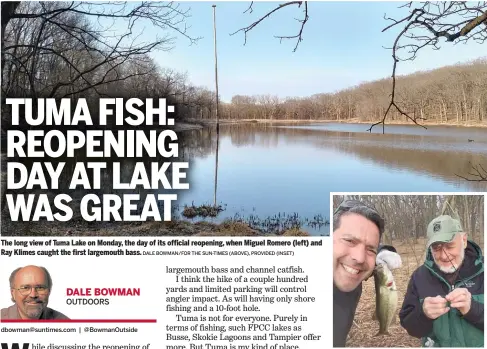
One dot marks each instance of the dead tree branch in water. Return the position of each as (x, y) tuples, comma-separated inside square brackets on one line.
[(478, 173), (298, 36)]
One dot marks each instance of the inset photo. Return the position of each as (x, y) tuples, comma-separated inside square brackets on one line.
[(408, 270), (30, 288)]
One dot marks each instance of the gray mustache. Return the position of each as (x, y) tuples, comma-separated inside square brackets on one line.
[(33, 300)]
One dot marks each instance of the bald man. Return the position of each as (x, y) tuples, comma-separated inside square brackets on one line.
[(30, 288)]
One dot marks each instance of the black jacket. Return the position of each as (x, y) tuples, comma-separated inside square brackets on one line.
[(451, 329), (344, 307)]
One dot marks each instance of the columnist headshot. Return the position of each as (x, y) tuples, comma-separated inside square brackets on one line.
[(30, 287)]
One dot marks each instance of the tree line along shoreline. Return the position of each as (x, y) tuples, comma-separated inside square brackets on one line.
[(451, 95)]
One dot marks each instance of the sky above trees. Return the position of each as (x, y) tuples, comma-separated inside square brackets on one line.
[(342, 46)]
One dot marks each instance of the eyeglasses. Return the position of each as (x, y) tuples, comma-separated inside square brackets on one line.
[(26, 290), (374, 215), (348, 204), (437, 247)]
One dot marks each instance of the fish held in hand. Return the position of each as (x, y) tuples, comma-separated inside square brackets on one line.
[(385, 298)]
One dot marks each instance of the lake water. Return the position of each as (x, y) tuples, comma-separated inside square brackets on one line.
[(271, 174), (281, 170)]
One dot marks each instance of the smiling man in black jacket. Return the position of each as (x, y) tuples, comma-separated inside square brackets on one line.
[(444, 302), (357, 230)]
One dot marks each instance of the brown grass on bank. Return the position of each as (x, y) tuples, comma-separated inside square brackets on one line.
[(364, 330), (177, 228), (242, 229), (452, 123), (230, 229), (295, 232)]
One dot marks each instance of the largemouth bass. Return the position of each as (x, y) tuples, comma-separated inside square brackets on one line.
[(385, 297)]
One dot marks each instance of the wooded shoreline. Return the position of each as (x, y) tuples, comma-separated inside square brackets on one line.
[(208, 122)]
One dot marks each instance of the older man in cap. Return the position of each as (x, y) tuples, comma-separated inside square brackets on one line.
[(30, 288), (444, 302)]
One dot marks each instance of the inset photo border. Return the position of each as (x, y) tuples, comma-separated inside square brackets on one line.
[(407, 267)]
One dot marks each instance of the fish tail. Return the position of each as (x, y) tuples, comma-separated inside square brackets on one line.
[(383, 332)]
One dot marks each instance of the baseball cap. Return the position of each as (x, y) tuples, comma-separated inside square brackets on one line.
[(443, 229)]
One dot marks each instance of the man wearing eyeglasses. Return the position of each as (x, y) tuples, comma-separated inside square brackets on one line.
[(30, 287), (357, 230), (444, 302)]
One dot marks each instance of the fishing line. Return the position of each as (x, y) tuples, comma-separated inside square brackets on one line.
[(453, 265), (451, 208), (456, 270)]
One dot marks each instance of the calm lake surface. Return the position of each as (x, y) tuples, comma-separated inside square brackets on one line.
[(281, 170), (280, 176)]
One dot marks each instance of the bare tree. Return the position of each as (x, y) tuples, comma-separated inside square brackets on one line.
[(67, 48), (441, 94), (407, 216), (298, 36), (425, 25)]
